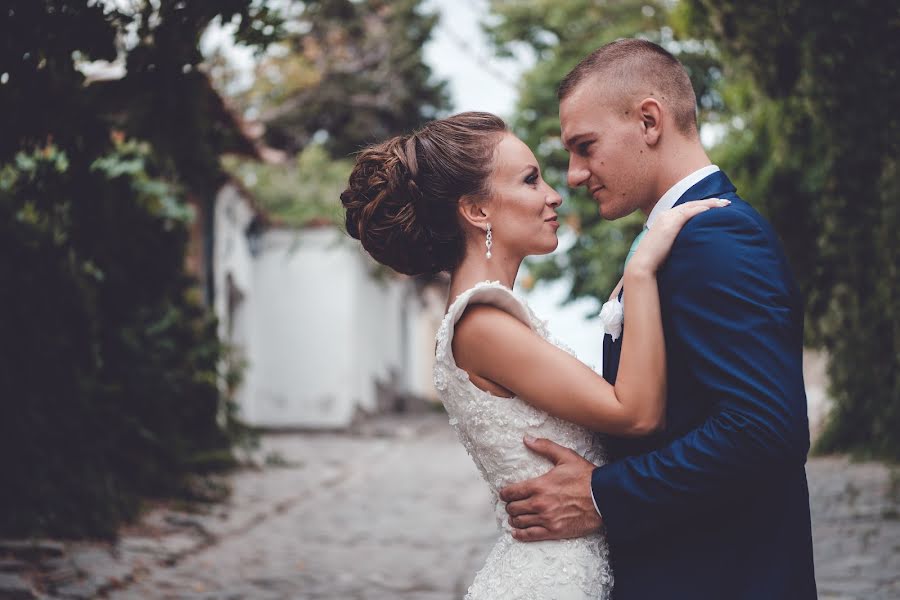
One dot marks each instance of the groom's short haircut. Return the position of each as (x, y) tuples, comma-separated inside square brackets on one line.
[(633, 67)]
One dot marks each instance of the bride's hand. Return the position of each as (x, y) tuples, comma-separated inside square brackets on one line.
[(657, 242)]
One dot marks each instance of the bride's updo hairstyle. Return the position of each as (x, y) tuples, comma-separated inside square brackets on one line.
[(402, 198)]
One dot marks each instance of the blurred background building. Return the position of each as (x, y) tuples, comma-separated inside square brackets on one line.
[(325, 336)]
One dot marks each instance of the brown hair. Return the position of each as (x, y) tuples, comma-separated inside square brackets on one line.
[(632, 67), (403, 193)]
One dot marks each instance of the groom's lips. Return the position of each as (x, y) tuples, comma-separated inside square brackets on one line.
[(596, 189)]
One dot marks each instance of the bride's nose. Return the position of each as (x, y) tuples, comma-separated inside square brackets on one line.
[(554, 199)]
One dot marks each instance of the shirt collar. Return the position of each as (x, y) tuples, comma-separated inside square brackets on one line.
[(675, 192)]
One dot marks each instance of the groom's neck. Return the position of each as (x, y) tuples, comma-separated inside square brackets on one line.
[(676, 163)]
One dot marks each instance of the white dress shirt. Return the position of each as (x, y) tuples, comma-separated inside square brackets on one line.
[(675, 192), (667, 201)]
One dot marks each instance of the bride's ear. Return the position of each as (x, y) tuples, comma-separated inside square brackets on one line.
[(476, 214)]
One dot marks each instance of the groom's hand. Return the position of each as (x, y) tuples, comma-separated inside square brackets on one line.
[(556, 505)]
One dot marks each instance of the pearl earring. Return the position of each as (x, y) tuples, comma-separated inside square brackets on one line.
[(489, 241)]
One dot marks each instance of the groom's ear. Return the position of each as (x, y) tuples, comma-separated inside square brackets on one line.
[(473, 213), (651, 120)]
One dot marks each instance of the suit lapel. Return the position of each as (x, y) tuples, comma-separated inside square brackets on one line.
[(712, 186)]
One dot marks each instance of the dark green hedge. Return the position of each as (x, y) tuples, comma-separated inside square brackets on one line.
[(109, 360), (818, 151), (108, 357)]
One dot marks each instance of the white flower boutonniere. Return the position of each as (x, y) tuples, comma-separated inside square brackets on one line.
[(613, 317)]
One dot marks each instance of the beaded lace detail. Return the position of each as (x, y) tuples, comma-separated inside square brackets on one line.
[(491, 429)]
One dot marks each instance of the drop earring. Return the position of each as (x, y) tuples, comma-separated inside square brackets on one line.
[(489, 241)]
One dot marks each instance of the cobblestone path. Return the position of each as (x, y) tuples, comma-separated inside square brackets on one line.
[(398, 511), (401, 513)]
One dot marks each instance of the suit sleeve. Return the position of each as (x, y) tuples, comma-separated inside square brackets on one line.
[(737, 326)]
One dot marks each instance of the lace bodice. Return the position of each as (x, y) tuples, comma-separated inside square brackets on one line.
[(491, 428)]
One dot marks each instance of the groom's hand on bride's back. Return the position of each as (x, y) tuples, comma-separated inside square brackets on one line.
[(556, 505)]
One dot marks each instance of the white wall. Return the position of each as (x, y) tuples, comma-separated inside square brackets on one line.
[(303, 365), (425, 316), (232, 259), (319, 332)]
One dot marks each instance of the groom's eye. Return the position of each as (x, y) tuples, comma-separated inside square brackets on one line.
[(582, 148)]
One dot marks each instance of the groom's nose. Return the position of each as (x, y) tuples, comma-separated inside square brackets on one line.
[(578, 173)]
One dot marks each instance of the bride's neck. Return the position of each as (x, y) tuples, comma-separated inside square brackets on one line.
[(476, 268)]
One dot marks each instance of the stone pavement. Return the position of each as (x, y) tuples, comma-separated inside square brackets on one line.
[(856, 528), (395, 510)]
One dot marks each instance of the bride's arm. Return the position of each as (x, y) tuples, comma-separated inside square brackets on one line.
[(494, 345)]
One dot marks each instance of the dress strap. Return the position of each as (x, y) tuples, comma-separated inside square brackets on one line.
[(486, 292)]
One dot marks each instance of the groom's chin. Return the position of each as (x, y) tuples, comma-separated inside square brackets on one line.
[(612, 212)]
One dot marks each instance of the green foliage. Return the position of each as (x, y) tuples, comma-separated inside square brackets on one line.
[(110, 363), (304, 191), (163, 98), (562, 33), (109, 366), (350, 73), (815, 88)]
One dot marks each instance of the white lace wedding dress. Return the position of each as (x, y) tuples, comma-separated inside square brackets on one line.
[(491, 429)]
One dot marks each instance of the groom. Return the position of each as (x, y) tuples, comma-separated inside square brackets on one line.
[(716, 506)]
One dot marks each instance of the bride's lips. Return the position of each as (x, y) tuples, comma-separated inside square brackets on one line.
[(554, 220)]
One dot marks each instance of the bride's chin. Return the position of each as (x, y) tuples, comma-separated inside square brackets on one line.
[(555, 242), (549, 248)]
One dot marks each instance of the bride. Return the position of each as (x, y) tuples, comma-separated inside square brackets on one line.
[(465, 195)]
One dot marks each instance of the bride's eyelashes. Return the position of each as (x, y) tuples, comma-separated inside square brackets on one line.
[(532, 177)]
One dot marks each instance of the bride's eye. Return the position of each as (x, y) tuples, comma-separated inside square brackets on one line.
[(532, 179)]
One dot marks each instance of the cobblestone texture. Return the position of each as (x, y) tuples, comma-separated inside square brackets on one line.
[(395, 510)]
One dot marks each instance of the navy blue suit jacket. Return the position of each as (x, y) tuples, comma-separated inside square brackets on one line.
[(717, 506)]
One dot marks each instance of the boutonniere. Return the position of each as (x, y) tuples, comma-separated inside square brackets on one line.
[(613, 317)]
